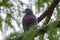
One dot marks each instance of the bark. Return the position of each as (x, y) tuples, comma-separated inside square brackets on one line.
[(49, 10)]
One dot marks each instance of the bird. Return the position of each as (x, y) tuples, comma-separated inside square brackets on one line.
[(29, 19)]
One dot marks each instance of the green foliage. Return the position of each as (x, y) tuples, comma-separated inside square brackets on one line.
[(58, 12), (27, 35), (8, 19), (33, 32), (9, 23), (9, 15), (41, 37), (14, 36), (1, 22), (39, 3), (47, 1), (30, 35), (21, 3), (5, 3), (52, 31)]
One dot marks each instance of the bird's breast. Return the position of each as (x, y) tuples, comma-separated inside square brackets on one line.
[(29, 19)]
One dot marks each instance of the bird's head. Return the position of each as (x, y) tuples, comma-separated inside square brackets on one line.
[(28, 11)]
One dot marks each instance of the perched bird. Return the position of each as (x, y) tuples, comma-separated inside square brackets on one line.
[(29, 19)]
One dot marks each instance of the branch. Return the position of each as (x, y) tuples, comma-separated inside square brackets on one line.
[(49, 10), (43, 30)]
